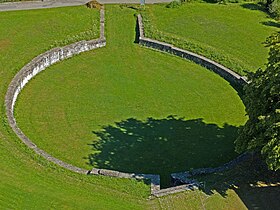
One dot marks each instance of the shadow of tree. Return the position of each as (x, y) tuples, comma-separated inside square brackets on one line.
[(260, 197), (256, 186), (162, 146), (254, 6)]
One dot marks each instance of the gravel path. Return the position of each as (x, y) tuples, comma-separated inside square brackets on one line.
[(28, 5)]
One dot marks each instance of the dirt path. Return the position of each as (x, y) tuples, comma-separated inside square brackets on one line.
[(28, 5)]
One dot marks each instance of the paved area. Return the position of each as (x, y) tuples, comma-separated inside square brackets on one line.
[(10, 6)]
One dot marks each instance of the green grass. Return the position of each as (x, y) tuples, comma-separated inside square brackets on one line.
[(30, 182), (109, 108), (26, 180), (231, 34)]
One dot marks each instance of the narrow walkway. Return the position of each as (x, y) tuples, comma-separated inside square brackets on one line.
[(28, 5)]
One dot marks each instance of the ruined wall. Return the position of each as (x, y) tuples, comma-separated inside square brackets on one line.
[(34, 67), (40, 63), (55, 55)]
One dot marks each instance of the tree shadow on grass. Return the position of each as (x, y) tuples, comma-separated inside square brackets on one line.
[(254, 6), (255, 185), (162, 146), (271, 23), (260, 197)]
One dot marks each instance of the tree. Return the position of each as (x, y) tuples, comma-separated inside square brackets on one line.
[(261, 132), (274, 9), (268, 2)]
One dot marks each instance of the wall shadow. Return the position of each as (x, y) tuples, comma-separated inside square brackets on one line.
[(162, 146), (137, 32), (272, 24), (260, 197)]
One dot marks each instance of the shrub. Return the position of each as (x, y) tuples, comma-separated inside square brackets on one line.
[(94, 4), (174, 4)]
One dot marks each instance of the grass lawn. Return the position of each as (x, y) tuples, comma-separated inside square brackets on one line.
[(231, 34), (30, 182), (26, 180), (110, 108)]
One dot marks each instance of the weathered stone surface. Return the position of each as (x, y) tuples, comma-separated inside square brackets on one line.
[(173, 190), (39, 64), (154, 178), (231, 76), (94, 171), (106, 172), (185, 177), (126, 175)]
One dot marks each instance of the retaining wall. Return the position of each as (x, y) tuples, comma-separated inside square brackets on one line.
[(153, 178), (186, 177), (55, 55), (39, 64), (33, 68), (29, 71), (224, 72)]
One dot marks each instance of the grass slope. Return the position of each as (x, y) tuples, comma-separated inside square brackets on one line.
[(27, 181), (231, 34), (138, 89)]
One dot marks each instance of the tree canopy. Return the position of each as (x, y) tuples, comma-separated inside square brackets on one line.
[(262, 100)]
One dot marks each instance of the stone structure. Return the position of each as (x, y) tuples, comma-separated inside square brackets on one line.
[(34, 67), (153, 178), (186, 177), (39, 64), (224, 72), (55, 55)]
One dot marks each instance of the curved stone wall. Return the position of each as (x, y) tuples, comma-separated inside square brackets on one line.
[(29, 71), (229, 75), (55, 55), (184, 179), (33, 68), (39, 64)]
